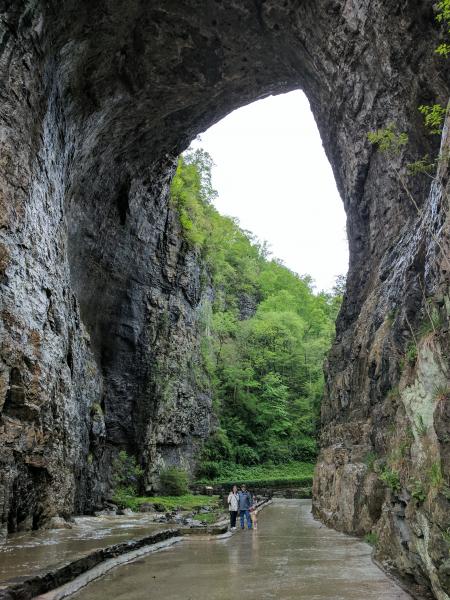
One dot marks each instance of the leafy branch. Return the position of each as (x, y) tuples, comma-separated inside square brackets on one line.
[(434, 115), (443, 16)]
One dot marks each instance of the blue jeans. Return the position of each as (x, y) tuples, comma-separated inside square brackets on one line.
[(246, 514)]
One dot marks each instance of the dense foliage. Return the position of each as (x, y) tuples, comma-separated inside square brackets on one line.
[(126, 473), (294, 473), (265, 334), (174, 481)]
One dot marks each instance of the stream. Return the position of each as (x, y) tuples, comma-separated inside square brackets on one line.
[(290, 556), (30, 551)]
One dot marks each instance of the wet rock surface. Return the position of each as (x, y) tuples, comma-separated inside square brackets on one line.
[(101, 299)]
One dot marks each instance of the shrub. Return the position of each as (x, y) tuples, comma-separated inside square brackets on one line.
[(303, 481), (391, 479), (126, 473), (393, 394), (445, 490), (418, 491), (369, 460), (446, 536), (405, 448), (392, 315), (435, 475), (422, 429), (218, 447), (208, 469), (96, 409), (304, 449), (125, 497), (432, 322), (174, 481), (247, 456), (434, 115), (411, 354), (371, 538), (442, 393), (273, 451), (388, 140)]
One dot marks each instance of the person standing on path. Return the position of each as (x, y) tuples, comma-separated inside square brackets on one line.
[(233, 505), (245, 503)]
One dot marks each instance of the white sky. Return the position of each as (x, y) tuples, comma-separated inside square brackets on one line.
[(273, 175)]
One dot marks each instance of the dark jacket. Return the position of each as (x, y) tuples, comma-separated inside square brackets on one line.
[(245, 500)]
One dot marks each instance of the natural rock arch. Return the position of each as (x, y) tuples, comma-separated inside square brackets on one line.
[(98, 291)]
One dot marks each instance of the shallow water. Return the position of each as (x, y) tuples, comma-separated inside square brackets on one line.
[(290, 556), (28, 552)]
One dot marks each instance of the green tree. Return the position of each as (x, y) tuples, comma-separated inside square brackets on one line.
[(265, 369)]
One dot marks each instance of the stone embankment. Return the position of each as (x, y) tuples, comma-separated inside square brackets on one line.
[(264, 491)]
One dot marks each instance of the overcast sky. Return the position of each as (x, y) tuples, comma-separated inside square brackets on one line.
[(272, 174)]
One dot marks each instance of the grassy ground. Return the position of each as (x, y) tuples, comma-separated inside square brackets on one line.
[(209, 518), (187, 502), (294, 473)]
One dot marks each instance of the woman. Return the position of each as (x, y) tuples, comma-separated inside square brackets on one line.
[(233, 502)]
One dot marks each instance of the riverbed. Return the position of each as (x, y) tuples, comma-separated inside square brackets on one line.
[(289, 556), (29, 552)]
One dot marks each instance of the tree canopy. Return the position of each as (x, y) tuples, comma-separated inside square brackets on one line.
[(265, 334)]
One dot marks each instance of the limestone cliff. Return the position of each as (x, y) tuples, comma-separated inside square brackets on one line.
[(99, 296), (384, 465)]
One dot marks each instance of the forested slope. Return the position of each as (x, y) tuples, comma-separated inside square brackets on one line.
[(265, 335)]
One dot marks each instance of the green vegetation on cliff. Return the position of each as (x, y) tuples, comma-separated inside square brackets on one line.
[(265, 335)]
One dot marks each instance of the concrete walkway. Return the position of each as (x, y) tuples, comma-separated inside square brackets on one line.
[(289, 557)]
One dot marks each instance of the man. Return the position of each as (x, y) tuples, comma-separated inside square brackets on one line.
[(245, 503)]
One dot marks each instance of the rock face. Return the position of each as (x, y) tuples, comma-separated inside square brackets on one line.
[(384, 464), (100, 297)]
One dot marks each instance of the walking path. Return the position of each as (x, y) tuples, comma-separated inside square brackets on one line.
[(289, 557)]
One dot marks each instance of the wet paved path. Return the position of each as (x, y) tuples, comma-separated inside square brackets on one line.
[(289, 557), (26, 553)]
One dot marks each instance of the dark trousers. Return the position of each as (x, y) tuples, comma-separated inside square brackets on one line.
[(233, 517)]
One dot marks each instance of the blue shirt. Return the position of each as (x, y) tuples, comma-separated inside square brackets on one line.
[(245, 500)]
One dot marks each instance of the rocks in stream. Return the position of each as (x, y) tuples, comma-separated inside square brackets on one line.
[(147, 507), (58, 523), (127, 512), (194, 523), (101, 298), (107, 512)]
